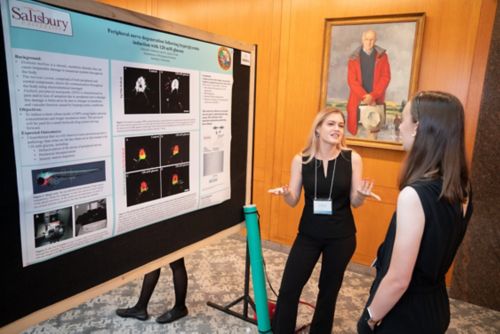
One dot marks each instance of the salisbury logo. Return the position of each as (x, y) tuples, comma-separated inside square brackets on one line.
[(224, 58), (30, 16)]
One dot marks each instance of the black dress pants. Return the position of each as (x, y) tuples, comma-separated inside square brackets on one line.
[(304, 255)]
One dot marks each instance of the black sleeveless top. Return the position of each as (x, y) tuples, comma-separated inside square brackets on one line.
[(340, 223), (424, 307)]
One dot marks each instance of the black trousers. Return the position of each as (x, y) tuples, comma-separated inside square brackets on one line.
[(303, 257)]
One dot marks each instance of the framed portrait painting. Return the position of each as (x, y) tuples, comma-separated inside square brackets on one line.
[(370, 70)]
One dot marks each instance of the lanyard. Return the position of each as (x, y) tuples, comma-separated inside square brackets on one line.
[(316, 178)]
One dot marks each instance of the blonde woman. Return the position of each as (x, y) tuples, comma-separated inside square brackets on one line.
[(331, 177)]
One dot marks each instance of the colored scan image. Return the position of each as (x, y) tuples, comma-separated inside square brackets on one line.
[(174, 148), (61, 177), (143, 186), (142, 153), (175, 180)]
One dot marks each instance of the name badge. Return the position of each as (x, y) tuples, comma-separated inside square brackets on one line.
[(322, 207)]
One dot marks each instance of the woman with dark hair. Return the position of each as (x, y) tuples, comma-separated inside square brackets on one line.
[(409, 294), (331, 176)]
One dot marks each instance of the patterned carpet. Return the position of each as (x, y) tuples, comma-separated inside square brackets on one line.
[(216, 274)]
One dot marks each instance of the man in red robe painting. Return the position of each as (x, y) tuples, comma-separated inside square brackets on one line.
[(368, 75)]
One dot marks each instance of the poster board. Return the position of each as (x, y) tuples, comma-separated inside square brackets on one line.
[(92, 99)]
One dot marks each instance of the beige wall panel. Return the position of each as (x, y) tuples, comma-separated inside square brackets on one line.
[(382, 166), (144, 7), (372, 221)]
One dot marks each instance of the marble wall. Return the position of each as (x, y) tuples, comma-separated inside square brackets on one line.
[(476, 278)]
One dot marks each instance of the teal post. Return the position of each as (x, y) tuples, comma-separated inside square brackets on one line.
[(257, 267)]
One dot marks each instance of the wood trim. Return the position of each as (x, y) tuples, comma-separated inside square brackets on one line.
[(263, 179), (374, 144), (476, 83), (281, 91), (251, 125)]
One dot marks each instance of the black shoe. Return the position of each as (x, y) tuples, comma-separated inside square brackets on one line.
[(172, 315), (132, 313)]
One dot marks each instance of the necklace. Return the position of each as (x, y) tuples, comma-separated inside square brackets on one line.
[(331, 155), (316, 179)]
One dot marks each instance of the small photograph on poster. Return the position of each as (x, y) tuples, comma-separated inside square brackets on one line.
[(53, 226), (175, 179), (90, 217), (141, 90), (174, 148), (213, 163), (61, 177), (215, 138), (143, 186), (174, 92), (142, 152)]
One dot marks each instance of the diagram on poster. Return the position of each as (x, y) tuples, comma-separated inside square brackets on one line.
[(115, 126)]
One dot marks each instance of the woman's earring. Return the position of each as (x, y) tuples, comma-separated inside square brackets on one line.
[(415, 130)]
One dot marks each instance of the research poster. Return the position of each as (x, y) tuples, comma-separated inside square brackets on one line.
[(115, 126)]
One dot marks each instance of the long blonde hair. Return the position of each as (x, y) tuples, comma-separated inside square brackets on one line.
[(312, 142)]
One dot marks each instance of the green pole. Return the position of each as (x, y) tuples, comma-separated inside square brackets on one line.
[(257, 267)]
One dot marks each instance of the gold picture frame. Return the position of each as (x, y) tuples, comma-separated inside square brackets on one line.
[(391, 72)]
